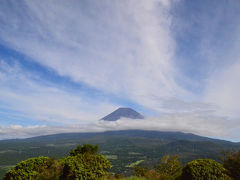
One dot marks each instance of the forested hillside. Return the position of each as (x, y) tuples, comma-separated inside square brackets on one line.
[(124, 149), (86, 163)]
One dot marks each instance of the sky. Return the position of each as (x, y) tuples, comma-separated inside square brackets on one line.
[(65, 64)]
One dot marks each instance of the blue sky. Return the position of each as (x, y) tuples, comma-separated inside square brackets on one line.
[(65, 64)]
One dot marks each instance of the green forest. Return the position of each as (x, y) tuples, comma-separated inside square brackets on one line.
[(125, 150), (86, 163)]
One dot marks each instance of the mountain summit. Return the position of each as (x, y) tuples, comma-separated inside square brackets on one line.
[(123, 113)]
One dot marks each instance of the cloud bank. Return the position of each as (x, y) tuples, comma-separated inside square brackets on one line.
[(200, 124)]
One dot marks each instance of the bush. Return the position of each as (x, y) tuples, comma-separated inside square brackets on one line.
[(140, 171), (86, 148), (231, 162), (133, 178), (170, 168), (85, 166), (202, 169), (35, 168), (82, 163)]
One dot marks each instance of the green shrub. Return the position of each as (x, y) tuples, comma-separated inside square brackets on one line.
[(133, 178), (140, 171), (204, 169), (170, 167), (86, 148), (34, 168), (231, 162), (85, 166), (82, 163)]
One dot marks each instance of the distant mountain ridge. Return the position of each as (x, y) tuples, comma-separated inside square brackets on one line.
[(166, 135), (123, 113)]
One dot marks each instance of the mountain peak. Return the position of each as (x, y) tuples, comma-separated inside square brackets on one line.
[(123, 112)]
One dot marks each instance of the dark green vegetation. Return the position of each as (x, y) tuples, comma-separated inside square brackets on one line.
[(82, 163), (231, 161), (204, 168), (124, 149), (33, 168), (201, 169), (169, 168)]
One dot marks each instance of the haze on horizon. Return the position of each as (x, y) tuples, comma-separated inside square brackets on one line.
[(64, 64)]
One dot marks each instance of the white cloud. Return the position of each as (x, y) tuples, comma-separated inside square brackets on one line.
[(222, 83), (48, 103), (223, 89), (123, 47), (201, 124), (39, 101), (209, 33)]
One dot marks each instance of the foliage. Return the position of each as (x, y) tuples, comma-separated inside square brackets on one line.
[(82, 163), (128, 147), (231, 162), (170, 168), (113, 177), (133, 178), (110, 176), (86, 148), (140, 171), (202, 169), (35, 168), (154, 175), (85, 166)]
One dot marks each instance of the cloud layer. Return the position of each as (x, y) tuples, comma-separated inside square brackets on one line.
[(200, 124)]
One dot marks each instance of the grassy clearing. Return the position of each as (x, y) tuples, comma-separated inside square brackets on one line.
[(134, 178), (134, 164), (111, 157), (6, 151), (61, 145), (6, 167), (125, 178), (134, 153), (104, 152)]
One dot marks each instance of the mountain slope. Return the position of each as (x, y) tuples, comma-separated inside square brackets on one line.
[(120, 147), (123, 113)]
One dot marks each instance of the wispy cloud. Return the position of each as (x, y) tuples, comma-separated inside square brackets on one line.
[(45, 102), (123, 47), (223, 89)]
